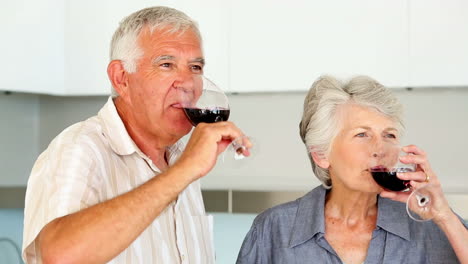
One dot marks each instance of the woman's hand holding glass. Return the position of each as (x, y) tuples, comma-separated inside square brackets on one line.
[(425, 199)]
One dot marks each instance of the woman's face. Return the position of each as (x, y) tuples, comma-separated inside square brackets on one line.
[(363, 137)]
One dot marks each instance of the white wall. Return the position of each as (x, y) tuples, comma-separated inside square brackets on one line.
[(437, 121), (19, 137)]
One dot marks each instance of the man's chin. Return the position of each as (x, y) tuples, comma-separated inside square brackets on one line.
[(183, 128)]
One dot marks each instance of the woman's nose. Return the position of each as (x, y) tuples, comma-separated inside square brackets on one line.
[(378, 149), (382, 149)]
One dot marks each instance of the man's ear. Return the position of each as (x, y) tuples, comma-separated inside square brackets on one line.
[(320, 159), (119, 78)]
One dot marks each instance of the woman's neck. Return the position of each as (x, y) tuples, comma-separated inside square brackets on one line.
[(350, 206)]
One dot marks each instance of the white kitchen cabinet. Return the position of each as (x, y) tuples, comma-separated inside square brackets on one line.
[(286, 45), (438, 32), (90, 25), (62, 47), (32, 46)]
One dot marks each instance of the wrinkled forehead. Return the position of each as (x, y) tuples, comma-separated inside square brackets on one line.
[(164, 42), (350, 116)]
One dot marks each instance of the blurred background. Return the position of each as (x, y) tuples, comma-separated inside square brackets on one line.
[(265, 54)]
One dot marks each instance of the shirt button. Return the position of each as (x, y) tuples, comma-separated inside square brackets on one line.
[(183, 257)]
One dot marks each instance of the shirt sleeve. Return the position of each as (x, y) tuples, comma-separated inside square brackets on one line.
[(62, 181), (438, 247), (250, 251)]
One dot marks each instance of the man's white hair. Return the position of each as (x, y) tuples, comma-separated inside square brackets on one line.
[(124, 44)]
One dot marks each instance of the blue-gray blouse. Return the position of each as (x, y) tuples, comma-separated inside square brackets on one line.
[(294, 232)]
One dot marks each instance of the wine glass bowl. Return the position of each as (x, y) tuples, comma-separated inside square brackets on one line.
[(207, 103), (384, 169), (207, 115), (387, 178), (419, 201)]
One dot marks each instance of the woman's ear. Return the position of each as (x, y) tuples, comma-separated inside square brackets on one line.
[(320, 159), (119, 78)]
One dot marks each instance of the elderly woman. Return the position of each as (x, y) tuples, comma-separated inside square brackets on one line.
[(351, 219)]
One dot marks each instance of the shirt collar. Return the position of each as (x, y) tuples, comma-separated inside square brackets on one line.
[(392, 217), (310, 217), (114, 130), (120, 141), (309, 220)]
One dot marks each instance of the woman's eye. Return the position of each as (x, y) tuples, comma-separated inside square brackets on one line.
[(363, 134)]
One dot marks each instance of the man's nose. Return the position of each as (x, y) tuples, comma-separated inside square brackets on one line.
[(185, 80)]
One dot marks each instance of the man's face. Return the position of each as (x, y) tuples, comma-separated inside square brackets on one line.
[(171, 62)]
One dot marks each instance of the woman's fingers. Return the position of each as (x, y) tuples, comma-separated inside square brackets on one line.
[(418, 157), (412, 176), (414, 149), (396, 196)]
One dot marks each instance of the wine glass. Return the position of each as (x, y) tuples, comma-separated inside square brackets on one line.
[(385, 166), (207, 103), (384, 169)]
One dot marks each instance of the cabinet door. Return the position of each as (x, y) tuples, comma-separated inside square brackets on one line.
[(90, 25), (31, 46), (438, 43), (285, 45)]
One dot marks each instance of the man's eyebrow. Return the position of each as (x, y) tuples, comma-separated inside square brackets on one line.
[(169, 57), (199, 60), (163, 57)]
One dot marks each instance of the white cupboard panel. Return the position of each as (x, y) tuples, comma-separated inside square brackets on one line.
[(438, 43), (90, 25), (31, 46), (284, 46), (88, 31)]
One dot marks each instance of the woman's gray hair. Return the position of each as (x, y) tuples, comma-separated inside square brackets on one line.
[(320, 121), (124, 44)]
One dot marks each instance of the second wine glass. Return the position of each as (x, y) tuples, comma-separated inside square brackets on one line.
[(384, 170)]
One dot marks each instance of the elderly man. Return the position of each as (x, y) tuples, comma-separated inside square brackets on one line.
[(119, 187)]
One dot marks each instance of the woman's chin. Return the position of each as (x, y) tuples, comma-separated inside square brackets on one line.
[(369, 187)]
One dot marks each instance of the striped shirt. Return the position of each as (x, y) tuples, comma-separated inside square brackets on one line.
[(96, 160)]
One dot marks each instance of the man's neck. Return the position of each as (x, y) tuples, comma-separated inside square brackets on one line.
[(151, 145)]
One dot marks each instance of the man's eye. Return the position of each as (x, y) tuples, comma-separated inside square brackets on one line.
[(196, 68), (166, 65), (390, 136)]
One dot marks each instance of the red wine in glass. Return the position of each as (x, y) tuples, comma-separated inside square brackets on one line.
[(205, 102), (388, 179), (210, 115)]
